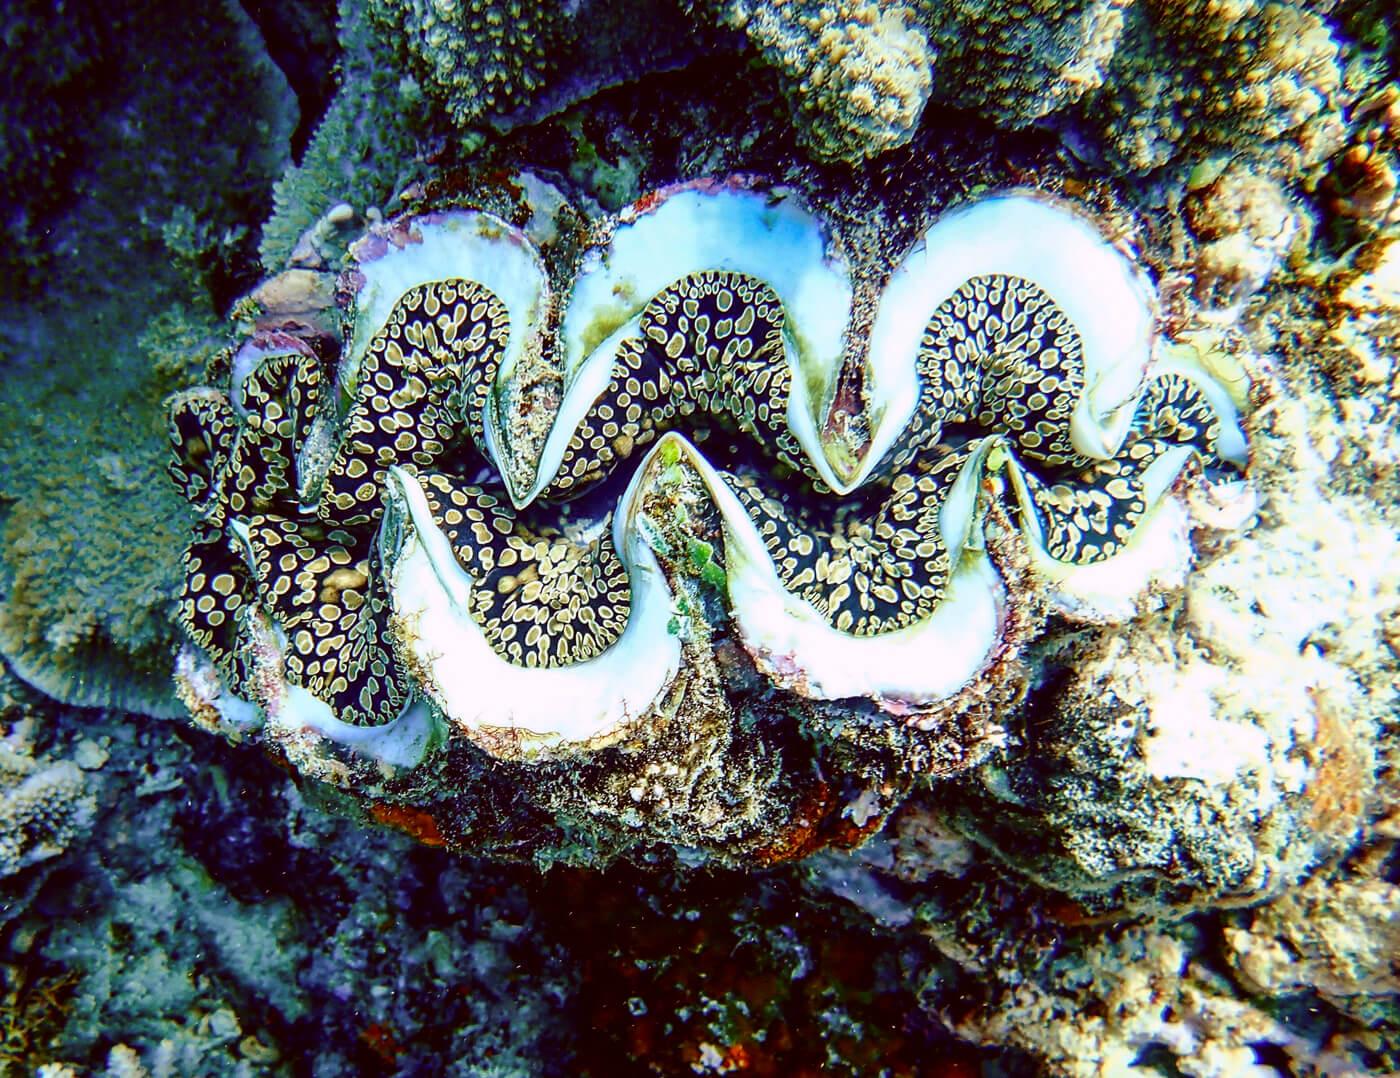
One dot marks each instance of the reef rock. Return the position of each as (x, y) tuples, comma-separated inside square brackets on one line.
[(858, 75), (44, 806)]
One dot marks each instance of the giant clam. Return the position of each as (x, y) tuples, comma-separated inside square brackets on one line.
[(543, 508)]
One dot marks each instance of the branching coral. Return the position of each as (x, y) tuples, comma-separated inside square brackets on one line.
[(370, 122), (481, 56)]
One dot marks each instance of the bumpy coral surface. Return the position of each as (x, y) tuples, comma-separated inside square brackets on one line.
[(1022, 60), (484, 56), (44, 806), (1193, 78), (479, 527), (1151, 83), (857, 74)]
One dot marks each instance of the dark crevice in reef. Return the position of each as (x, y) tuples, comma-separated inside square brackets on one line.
[(62, 66), (301, 40), (231, 821), (90, 127), (1160, 1058), (670, 965)]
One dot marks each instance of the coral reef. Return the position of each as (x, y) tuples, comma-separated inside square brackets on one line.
[(1244, 227), (363, 150), (1217, 752), (1147, 83), (424, 79), (1138, 996), (483, 57), (1335, 936), (1192, 79), (180, 938), (856, 75), (44, 806), (1022, 60), (1363, 187)]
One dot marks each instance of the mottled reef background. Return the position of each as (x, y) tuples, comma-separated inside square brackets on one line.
[(172, 905)]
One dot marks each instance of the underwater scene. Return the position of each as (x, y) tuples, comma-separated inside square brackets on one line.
[(700, 537)]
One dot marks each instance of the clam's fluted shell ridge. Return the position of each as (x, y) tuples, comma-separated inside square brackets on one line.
[(1017, 234), (691, 228), (486, 696), (795, 644), (479, 588)]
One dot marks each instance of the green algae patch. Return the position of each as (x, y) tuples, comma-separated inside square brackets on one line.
[(705, 565), (606, 321)]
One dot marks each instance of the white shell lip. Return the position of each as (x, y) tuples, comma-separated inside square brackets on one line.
[(794, 645), (262, 345), (294, 713), (404, 741), (445, 245), (1112, 591), (283, 712), (511, 709), (1027, 234), (734, 225), (1232, 445)]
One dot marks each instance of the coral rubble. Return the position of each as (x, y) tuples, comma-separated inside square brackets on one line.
[(43, 808)]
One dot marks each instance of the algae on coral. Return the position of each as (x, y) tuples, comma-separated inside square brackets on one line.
[(84, 591)]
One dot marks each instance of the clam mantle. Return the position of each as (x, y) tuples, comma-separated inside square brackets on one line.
[(530, 490)]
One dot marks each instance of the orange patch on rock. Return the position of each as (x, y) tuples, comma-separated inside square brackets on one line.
[(413, 822), (381, 1042)]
